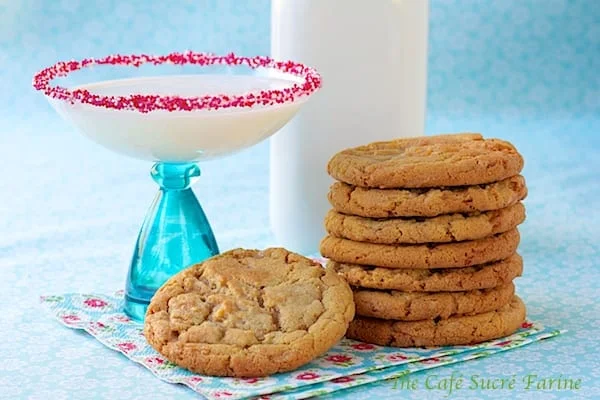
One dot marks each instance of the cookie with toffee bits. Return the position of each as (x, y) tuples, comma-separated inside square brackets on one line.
[(417, 230), (457, 330), (427, 161), (249, 313)]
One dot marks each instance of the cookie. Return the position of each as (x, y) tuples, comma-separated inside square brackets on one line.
[(444, 228), (415, 306), (386, 203), (425, 162), (431, 255), (249, 313), (458, 330), (431, 280)]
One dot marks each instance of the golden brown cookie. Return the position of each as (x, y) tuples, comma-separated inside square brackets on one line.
[(431, 255), (440, 229), (386, 203), (458, 330), (415, 306), (425, 162), (431, 280), (249, 313)]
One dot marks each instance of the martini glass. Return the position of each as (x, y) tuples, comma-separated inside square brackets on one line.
[(176, 121)]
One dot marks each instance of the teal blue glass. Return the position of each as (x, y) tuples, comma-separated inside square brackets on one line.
[(175, 234)]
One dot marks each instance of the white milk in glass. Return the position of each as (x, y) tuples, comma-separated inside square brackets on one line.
[(179, 136), (372, 55)]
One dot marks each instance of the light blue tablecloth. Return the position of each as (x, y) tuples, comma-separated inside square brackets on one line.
[(70, 211)]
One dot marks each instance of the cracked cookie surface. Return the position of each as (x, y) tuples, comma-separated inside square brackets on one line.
[(431, 280), (415, 306), (444, 228), (431, 255), (428, 161), (458, 330), (386, 203), (249, 313)]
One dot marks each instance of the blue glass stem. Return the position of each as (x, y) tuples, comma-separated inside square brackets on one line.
[(175, 234)]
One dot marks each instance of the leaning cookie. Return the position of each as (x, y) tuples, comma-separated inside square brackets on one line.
[(249, 313), (459, 330)]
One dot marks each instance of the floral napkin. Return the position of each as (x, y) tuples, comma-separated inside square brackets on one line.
[(349, 363)]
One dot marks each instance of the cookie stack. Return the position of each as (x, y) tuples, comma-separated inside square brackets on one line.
[(424, 230)]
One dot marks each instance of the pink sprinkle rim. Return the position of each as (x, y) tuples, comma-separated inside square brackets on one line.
[(149, 103)]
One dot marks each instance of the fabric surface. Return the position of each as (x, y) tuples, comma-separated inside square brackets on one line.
[(350, 363), (525, 71)]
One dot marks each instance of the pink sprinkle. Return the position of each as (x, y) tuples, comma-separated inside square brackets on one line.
[(149, 103)]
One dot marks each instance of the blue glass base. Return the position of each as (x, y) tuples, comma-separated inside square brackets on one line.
[(135, 308), (174, 235)]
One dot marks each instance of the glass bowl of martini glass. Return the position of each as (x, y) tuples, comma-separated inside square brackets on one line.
[(220, 105)]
